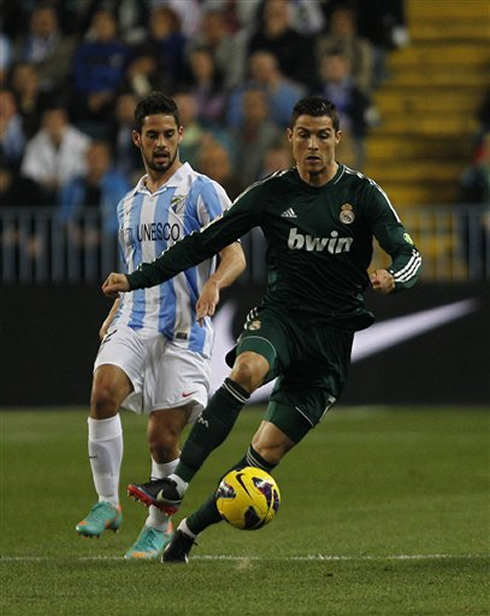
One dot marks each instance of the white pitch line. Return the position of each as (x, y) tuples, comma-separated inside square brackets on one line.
[(226, 557), (332, 557)]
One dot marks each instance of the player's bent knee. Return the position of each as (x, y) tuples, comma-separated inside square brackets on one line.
[(110, 387), (103, 403), (250, 370)]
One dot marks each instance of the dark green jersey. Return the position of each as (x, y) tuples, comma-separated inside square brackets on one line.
[(319, 243)]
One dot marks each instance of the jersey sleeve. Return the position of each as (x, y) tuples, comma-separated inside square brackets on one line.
[(393, 238), (211, 201), (200, 245)]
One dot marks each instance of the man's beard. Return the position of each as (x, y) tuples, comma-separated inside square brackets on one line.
[(163, 166)]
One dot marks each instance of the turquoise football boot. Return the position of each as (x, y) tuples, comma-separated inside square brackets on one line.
[(150, 543), (103, 516)]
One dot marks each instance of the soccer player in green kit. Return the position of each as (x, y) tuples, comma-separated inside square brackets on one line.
[(319, 219)]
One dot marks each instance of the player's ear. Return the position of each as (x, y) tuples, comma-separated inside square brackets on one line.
[(136, 136), (338, 137), (289, 134), (180, 132)]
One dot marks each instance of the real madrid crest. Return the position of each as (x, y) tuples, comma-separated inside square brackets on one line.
[(255, 325), (347, 215)]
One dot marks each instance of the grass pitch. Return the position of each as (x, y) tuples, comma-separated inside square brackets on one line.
[(384, 511)]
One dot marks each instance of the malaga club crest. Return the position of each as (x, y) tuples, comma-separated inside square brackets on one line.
[(177, 203)]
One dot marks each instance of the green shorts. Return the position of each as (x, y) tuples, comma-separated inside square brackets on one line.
[(310, 361)]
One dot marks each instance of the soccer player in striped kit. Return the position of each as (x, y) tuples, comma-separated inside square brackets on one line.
[(320, 219), (154, 356)]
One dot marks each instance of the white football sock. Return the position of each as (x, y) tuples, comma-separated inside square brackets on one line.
[(157, 518), (181, 484), (105, 450)]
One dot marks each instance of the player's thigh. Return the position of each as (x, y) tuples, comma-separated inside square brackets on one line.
[(110, 386), (176, 377), (296, 412), (311, 385), (272, 336), (126, 349)]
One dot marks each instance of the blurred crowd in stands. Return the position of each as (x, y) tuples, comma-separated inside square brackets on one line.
[(474, 185), (72, 71)]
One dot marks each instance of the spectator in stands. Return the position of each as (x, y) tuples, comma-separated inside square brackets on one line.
[(12, 136), (47, 48), (101, 187), (282, 93), (255, 134), (165, 44), (214, 160), (342, 34), (56, 153), (131, 17), (383, 23), (228, 48), (308, 17), (475, 181), (188, 14), (206, 84), (277, 157), (126, 158), (142, 76), (5, 57), (20, 242), (237, 16), (354, 106), (475, 225), (294, 52), (195, 134), (483, 112), (17, 190), (31, 100), (99, 64)]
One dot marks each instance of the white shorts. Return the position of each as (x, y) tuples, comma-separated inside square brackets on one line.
[(163, 373)]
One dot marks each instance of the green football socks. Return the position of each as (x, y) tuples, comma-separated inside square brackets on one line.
[(211, 428)]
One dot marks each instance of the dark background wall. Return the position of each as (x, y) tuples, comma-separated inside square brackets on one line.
[(49, 338)]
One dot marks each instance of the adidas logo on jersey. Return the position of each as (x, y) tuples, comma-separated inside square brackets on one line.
[(333, 244), (289, 213)]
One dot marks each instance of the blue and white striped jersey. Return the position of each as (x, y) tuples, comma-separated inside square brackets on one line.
[(148, 225)]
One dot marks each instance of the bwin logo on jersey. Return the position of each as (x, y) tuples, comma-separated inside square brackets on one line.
[(333, 244)]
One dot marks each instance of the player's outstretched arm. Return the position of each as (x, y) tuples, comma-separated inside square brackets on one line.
[(232, 264), (115, 284)]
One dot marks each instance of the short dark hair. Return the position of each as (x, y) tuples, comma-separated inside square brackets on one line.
[(153, 104), (315, 106)]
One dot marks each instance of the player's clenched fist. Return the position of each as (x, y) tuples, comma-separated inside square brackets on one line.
[(115, 284), (382, 281)]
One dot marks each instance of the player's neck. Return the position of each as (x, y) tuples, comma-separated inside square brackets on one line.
[(155, 179), (319, 179)]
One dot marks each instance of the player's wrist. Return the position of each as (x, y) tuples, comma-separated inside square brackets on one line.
[(214, 281), (131, 282)]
